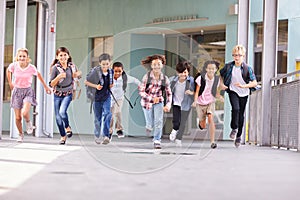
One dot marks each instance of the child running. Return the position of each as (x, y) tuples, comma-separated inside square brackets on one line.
[(207, 84), (153, 85), (182, 86), (121, 79)]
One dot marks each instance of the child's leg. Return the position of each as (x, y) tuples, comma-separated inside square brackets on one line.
[(158, 121), (176, 117), (26, 110), (201, 113), (112, 118), (97, 108), (18, 120), (212, 127), (148, 113), (106, 116), (118, 115), (183, 121)]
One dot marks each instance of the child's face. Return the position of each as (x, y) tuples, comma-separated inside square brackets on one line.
[(117, 72), (238, 57), (62, 57), (22, 58), (211, 69), (104, 65), (183, 75), (156, 65)]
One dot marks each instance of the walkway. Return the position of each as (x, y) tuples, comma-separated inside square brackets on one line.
[(130, 169)]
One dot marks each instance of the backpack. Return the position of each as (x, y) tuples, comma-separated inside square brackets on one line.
[(245, 74), (203, 83), (75, 81), (95, 76), (162, 87)]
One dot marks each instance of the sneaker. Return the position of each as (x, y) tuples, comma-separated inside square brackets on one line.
[(120, 134), (97, 140), (172, 135), (106, 140), (213, 145), (178, 143), (157, 144), (20, 138), (29, 127), (233, 133), (237, 142)]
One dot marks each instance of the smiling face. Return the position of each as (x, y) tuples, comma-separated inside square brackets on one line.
[(62, 57), (117, 72), (104, 65), (156, 65), (22, 58), (183, 75), (211, 69)]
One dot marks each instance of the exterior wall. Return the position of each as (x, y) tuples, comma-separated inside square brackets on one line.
[(87, 19)]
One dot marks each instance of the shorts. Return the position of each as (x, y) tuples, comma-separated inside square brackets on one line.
[(20, 96), (203, 111)]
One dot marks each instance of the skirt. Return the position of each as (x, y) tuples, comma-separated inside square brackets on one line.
[(22, 95)]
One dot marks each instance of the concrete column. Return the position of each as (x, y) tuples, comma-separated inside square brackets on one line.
[(20, 24), (243, 23), (45, 55), (2, 44), (243, 37), (269, 63)]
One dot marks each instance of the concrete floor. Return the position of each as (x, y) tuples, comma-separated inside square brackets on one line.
[(129, 168)]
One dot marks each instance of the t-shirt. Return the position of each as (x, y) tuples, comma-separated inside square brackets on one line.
[(179, 93), (206, 97), (22, 77), (237, 78)]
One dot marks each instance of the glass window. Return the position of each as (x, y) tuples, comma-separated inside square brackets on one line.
[(8, 58), (282, 48), (101, 45)]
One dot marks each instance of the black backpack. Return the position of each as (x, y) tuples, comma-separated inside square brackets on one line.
[(203, 83)]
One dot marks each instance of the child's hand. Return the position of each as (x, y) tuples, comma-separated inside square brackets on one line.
[(48, 90), (166, 109), (111, 85), (189, 92), (194, 104), (78, 74), (223, 87), (155, 100), (99, 87), (62, 75)]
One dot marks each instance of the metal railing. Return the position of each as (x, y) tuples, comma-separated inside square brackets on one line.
[(285, 113)]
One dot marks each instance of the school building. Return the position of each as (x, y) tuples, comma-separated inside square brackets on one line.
[(129, 30)]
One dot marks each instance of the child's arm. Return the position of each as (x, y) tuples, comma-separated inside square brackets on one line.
[(97, 86), (167, 107), (48, 90), (196, 95), (134, 80), (8, 75)]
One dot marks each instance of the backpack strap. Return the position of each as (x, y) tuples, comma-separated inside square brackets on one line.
[(203, 83), (125, 79), (215, 85)]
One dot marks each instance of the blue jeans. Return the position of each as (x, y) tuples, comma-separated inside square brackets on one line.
[(154, 120), (61, 104), (102, 117)]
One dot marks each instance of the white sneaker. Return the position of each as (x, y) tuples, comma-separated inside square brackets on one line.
[(97, 140), (106, 140), (178, 143), (29, 127), (157, 144), (20, 138), (172, 135)]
